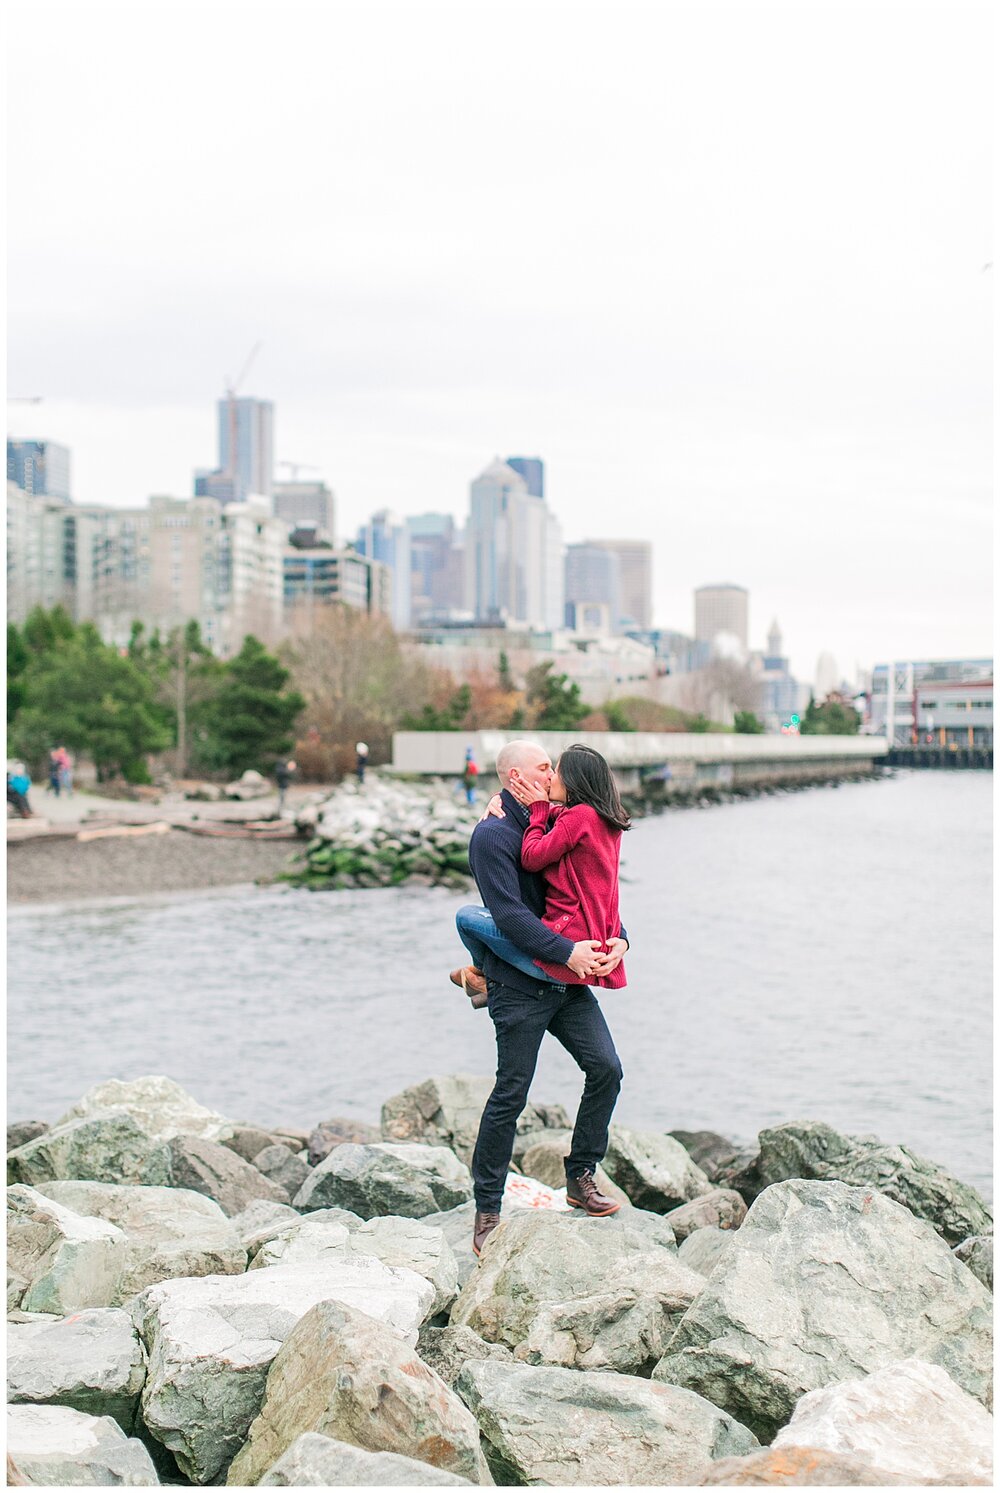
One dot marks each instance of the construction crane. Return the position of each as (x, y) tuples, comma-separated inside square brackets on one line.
[(295, 467), (232, 386)]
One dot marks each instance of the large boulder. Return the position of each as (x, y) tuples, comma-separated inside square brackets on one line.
[(282, 1167), (158, 1105), (216, 1172), (19, 1132), (64, 1261), (314, 1461), (446, 1111), (210, 1343), (813, 1150), (796, 1467), (53, 1446), (92, 1361), (909, 1419), (409, 1181), (248, 1140), (446, 1349), (977, 1253), (170, 1232), (406, 1242), (337, 1374), (708, 1150), (339, 1132), (654, 1170), (544, 1160), (577, 1292), (825, 1282), (109, 1146), (565, 1428), (722, 1208), (259, 1216), (704, 1248)]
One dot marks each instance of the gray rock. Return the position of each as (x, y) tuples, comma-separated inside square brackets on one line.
[(409, 1181), (281, 1226), (210, 1342), (977, 1253), (209, 1168), (259, 1216), (19, 1132), (293, 1136), (295, 1244), (721, 1208), (446, 1349), (909, 1419), (457, 1224), (825, 1282), (654, 1170), (446, 1111), (283, 1168), (339, 1132), (109, 1146), (160, 1107), (314, 1461), (53, 1446), (704, 1249), (544, 1160), (563, 1289), (796, 1467), (565, 1428), (64, 1261), (170, 1232), (709, 1151), (336, 1374), (91, 1361), (248, 1141), (813, 1150)]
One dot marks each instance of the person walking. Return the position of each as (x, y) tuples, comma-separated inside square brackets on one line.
[(360, 761), (554, 998), (54, 775), (65, 771), (470, 776), (283, 776)]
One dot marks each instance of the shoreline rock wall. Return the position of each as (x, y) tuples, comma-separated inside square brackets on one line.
[(195, 1328)]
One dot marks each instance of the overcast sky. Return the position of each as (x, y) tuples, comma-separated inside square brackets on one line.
[(722, 267)]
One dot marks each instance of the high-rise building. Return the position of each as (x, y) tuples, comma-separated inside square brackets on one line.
[(437, 575), (721, 609), (386, 538), (41, 553), (246, 452), (593, 578), (40, 468), (306, 502), (189, 561), (251, 579), (319, 575), (532, 469), (513, 550), (635, 559)]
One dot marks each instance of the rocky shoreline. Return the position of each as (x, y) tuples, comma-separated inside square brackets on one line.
[(199, 1301)]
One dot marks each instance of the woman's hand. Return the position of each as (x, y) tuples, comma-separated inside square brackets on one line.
[(528, 793), (494, 809)]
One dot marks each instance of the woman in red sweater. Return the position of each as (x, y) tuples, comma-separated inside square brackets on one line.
[(573, 839)]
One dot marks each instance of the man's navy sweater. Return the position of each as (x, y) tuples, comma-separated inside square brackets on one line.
[(515, 897)]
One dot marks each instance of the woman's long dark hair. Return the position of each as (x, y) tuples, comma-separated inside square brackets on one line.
[(589, 780)]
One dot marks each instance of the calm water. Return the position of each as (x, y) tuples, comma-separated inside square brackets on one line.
[(820, 955)]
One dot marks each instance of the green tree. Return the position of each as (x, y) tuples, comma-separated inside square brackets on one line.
[(45, 632), (184, 674), (96, 702), (617, 716), (17, 663), (248, 721), (832, 718), (555, 699), (449, 718), (746, 723), (699, 722)]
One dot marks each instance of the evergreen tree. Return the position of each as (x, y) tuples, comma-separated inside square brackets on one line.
[(832, 718), (247, 722), (555, 698), (746, 723), (17, 664)]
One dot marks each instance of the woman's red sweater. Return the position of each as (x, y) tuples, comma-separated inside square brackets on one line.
[(579, 859)]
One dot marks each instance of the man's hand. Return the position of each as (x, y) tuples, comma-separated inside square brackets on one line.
[(494, 809), (528, 793), (611, 960), (584, 958)]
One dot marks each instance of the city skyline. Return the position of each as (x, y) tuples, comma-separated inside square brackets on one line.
[(732, 317)]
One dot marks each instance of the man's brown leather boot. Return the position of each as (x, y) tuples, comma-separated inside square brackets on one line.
[(583, 1192), (482, 1229)]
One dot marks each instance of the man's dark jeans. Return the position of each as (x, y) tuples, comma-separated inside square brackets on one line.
[(572, 1015)]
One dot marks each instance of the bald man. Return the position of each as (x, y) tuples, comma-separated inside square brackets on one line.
[(524, 1008)]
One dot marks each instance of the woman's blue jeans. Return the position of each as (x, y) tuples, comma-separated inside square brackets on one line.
[(478, 932)]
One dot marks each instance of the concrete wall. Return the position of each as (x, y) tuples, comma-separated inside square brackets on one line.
[(443, 752)]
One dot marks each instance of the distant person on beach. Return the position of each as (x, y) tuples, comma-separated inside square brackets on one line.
[(361, 758), (55, 779), (537, 945), (18, 784), (65, 771), (283, 776), (470, 776)]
